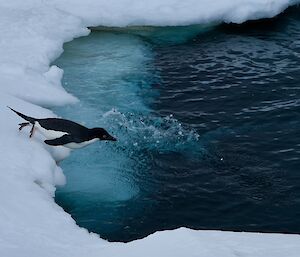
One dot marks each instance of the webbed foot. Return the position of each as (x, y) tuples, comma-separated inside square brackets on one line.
[(22, 125)]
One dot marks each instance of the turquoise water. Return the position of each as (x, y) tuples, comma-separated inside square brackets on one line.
[(112, 74), (207, 121)]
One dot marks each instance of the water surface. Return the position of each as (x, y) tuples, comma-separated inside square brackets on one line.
[(207, 127)]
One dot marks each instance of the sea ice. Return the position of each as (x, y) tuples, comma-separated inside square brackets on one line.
[(32, 36)]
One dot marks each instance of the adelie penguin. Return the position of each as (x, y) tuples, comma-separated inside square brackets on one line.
[(61, 132)]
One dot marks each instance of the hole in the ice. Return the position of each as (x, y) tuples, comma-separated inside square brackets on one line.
[(213, 164)]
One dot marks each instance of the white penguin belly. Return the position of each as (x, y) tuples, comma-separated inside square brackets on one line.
[(49, 134), (80, 145)]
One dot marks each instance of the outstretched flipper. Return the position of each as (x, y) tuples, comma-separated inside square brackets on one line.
[(65, 139)]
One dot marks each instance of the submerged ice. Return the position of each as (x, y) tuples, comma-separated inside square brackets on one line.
[(104, 74)]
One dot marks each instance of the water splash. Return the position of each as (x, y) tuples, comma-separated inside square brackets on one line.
[(139, 132)]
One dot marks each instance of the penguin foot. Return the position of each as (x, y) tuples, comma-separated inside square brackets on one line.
[(22, 125), (31, 131)]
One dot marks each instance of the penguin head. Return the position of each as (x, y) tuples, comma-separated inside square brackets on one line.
[(102, 134)]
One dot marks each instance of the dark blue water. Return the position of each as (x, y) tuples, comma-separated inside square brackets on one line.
[(208, 129)]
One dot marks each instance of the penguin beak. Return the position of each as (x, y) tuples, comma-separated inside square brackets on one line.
[(111, 138)]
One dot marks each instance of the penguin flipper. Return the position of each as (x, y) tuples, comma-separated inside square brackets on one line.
[(65, 139)]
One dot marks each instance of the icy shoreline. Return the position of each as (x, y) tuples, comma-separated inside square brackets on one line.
[(33, 33)]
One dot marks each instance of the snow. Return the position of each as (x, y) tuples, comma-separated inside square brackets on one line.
[(170, 12), (32, 36)]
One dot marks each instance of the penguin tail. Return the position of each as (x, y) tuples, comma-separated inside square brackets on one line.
[(27, 118)]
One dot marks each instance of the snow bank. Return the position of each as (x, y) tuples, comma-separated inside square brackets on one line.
[(171, 12), (32, 35), (186, 242)]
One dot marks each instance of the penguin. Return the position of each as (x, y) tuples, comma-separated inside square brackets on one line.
[(61, 132)]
